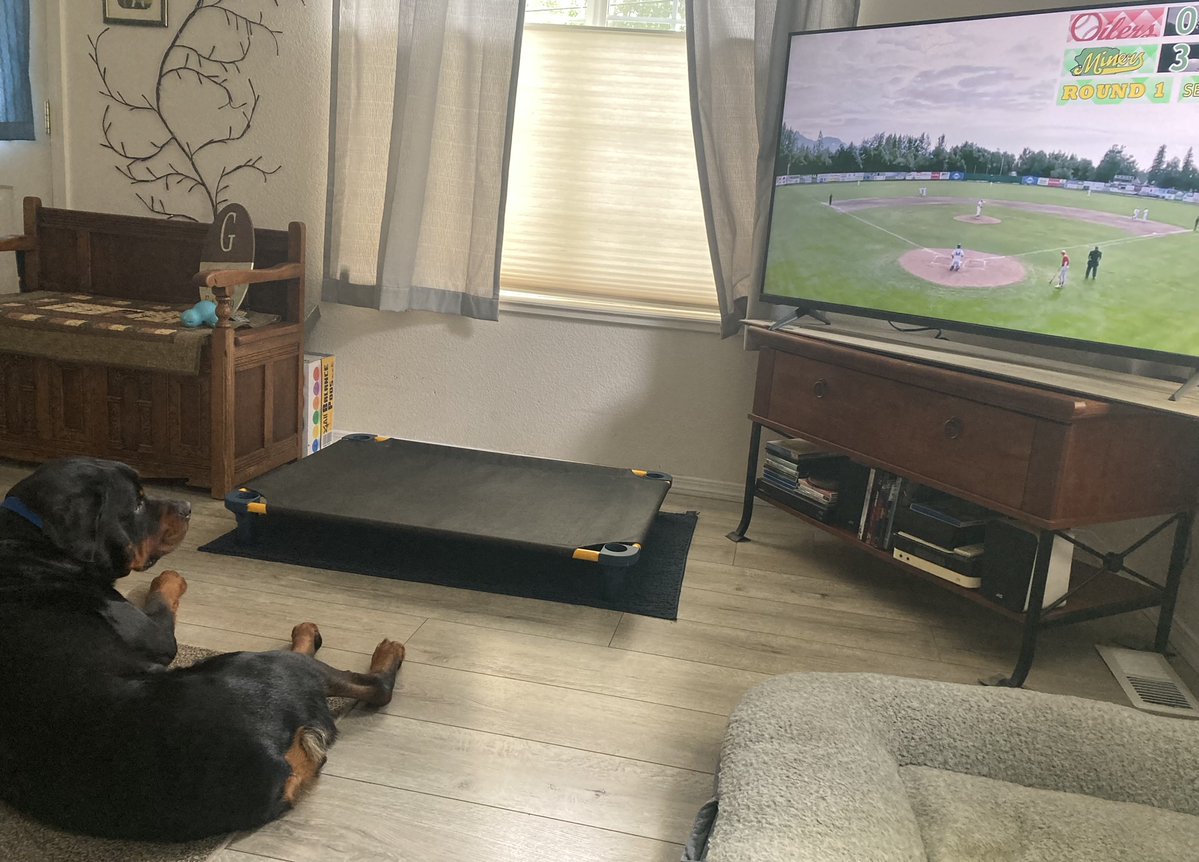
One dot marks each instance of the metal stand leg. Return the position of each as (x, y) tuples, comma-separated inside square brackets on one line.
[(1032, 616), (751, 476), (1191, 383), (1178, 556)]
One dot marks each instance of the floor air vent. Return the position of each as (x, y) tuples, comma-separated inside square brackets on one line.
[(1149, 681)]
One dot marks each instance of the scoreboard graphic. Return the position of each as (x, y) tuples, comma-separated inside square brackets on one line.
[(1118, 56)]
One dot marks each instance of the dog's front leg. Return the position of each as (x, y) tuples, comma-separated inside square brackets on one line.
[(150, 630)]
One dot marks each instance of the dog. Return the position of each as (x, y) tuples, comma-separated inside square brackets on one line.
[(97, 735)]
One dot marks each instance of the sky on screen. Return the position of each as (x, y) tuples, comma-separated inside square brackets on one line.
[(993, 82)]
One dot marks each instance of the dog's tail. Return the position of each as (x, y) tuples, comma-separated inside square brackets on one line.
[(307, 755), (315, 743)]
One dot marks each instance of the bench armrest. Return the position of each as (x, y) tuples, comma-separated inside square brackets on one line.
[(229, 277), (17, 242)]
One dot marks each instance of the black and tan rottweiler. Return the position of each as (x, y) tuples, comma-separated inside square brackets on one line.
[(96, 736)]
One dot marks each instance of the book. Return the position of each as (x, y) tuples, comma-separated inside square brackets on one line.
[(318, 397), (794, 501), (781, 466), (881, 508), (795, 450), (868, 500), (806, 488), (895, 494), (780, 478)]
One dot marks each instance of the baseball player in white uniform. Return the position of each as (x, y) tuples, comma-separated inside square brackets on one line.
[(958, 256)]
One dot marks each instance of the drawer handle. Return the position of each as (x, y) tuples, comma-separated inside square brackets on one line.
[(953, 428), (820, 388)]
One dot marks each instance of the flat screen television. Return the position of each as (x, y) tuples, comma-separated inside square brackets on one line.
[(1024, 175)]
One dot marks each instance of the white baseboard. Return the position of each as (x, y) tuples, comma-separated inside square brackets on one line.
[(712, 489)]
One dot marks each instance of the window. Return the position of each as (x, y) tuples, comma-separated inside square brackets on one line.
[(604, 209), (16, 102)]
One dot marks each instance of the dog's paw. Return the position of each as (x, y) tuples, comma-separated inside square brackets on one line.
[(387, 657), (302, 634), (171, 586)]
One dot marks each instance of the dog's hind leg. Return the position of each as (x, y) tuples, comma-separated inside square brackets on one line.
[(305, 639), (373, 687)]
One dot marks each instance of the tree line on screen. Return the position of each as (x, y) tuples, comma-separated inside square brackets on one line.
[(894, 152)]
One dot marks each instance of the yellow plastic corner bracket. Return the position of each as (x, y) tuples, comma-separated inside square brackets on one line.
[(641, 473), (256, 508), (586, 554), (379, 438)]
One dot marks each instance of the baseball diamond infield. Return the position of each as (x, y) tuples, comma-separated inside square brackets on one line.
[(981, 270)]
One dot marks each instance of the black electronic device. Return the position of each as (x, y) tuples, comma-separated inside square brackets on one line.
[(943, 523), (965, 560), (1008, 561), (847, 513)]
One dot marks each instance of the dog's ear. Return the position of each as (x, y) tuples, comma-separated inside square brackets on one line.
[(74, 500), (87, 530)]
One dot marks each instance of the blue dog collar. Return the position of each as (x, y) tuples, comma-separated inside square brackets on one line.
[(13, 504)]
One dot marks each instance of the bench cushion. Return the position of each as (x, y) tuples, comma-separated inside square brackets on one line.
[(80, 327)]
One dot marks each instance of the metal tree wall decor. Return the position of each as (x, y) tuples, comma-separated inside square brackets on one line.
[(184, 144)]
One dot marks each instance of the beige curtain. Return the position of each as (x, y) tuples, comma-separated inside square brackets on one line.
[(737, 58), (420, 124)]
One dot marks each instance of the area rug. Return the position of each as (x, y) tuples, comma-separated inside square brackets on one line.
[(25, 840), (651, 587)]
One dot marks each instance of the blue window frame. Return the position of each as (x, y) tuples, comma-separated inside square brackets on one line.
[(16, 100)]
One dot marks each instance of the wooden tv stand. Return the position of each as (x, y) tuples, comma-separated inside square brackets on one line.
[(1050, 459)]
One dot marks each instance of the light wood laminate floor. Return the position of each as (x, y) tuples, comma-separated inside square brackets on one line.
[(528, 731)]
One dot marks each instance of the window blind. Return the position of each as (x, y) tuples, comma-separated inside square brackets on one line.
[(603, 207)]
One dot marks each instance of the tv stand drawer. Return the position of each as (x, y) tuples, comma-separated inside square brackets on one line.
[(946, 439), (1049, 458)]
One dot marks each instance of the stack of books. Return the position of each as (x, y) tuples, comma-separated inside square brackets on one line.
[(802, 476), (944, 537)]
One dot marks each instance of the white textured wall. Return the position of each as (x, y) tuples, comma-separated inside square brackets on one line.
[(567, 388), (622, 395)]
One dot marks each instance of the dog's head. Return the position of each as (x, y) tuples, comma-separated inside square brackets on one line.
[(96, 512)]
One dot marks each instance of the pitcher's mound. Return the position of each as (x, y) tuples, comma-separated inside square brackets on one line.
[(980, 270), (969, 219)]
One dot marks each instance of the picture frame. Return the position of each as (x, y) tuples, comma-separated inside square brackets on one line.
[(144, 13)]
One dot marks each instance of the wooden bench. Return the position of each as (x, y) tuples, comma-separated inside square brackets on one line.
[(94, 361)]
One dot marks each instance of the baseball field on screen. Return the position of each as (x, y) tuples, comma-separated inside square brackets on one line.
[(886, 246)]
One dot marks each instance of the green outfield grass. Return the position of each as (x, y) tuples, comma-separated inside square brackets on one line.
[(1146, 296)]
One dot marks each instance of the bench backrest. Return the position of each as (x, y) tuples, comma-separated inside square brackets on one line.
[(134, 257)]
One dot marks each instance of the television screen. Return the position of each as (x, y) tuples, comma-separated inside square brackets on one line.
[(1029, 175)]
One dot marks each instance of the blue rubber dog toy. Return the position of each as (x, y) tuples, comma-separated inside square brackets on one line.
[(203, 313)]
